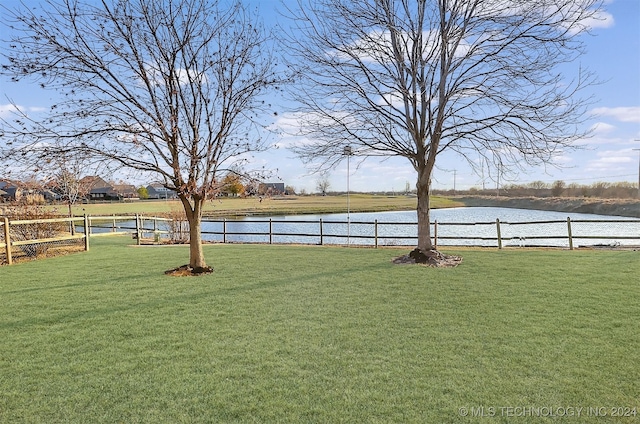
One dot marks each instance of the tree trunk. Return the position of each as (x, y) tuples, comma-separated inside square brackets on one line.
[(196, 255), (423, 189), (194, 217)]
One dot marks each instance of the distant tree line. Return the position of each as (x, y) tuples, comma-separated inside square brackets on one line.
[(559, 188)]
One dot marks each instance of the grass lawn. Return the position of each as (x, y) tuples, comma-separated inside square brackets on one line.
[(319, 334), (284, 205)]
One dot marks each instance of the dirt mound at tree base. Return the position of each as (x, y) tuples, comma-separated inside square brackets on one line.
[(431, 258), (188, 271)]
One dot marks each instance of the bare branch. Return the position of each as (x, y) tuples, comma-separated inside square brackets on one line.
[(171, 88), (418, 78)]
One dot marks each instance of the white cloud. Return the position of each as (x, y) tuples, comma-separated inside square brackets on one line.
[(600, 20), (622, 114), (288, 126), (611, 161), (614, 160), (7, 110), (601, 128), (606, 135), (568, 15), (562, 160), (184, 76)]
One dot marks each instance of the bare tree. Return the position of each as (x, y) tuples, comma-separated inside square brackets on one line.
[(70, 186), (169, 88), (64, 174), (415, 78), (323, 183), (538, 185)]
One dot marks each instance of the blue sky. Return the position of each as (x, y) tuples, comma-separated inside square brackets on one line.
[(613, 52)]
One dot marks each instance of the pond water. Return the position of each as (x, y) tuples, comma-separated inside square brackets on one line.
[(455, 226)]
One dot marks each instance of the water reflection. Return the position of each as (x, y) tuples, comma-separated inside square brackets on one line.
[(476, 226), (455, 226)]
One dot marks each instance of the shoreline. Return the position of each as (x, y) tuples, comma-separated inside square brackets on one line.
[(611, 207), (304, 205)]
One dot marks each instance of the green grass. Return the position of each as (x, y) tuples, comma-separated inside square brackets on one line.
[(284, 205), (317, 334)]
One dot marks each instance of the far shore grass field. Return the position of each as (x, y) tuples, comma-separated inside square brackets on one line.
[(320, 334), (282, 205)]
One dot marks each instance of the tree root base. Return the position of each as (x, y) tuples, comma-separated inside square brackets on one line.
[(188, 271), (431, 258)]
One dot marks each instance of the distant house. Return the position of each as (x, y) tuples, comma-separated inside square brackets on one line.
[(158, 191), (9, 191), (50, 195), (95, 187), (126, 191), (93, 181), (271, 189), (102, 190), (103, 193), (16, 191), (98, 189)]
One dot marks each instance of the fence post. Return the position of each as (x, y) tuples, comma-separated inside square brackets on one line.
[(499, 233), (270, 231), (7, 241), (138, 232), (86, 233), (156, 233), (569, 232), (113, 225), (435, 234), (375, 233), (321, 233), (224, 230)]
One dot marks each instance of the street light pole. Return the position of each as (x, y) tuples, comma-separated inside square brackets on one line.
[(498, 180), (454, 180), (348, 152), (638, 170)]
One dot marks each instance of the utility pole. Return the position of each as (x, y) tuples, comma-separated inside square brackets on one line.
[(348, 152), (638, 169), (454, 180), (498, 180)]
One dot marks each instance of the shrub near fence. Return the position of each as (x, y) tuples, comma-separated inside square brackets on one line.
[(35, 238)]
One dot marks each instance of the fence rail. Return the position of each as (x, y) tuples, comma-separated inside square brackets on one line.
[(563, 233), (33, 238), (37, 237)]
